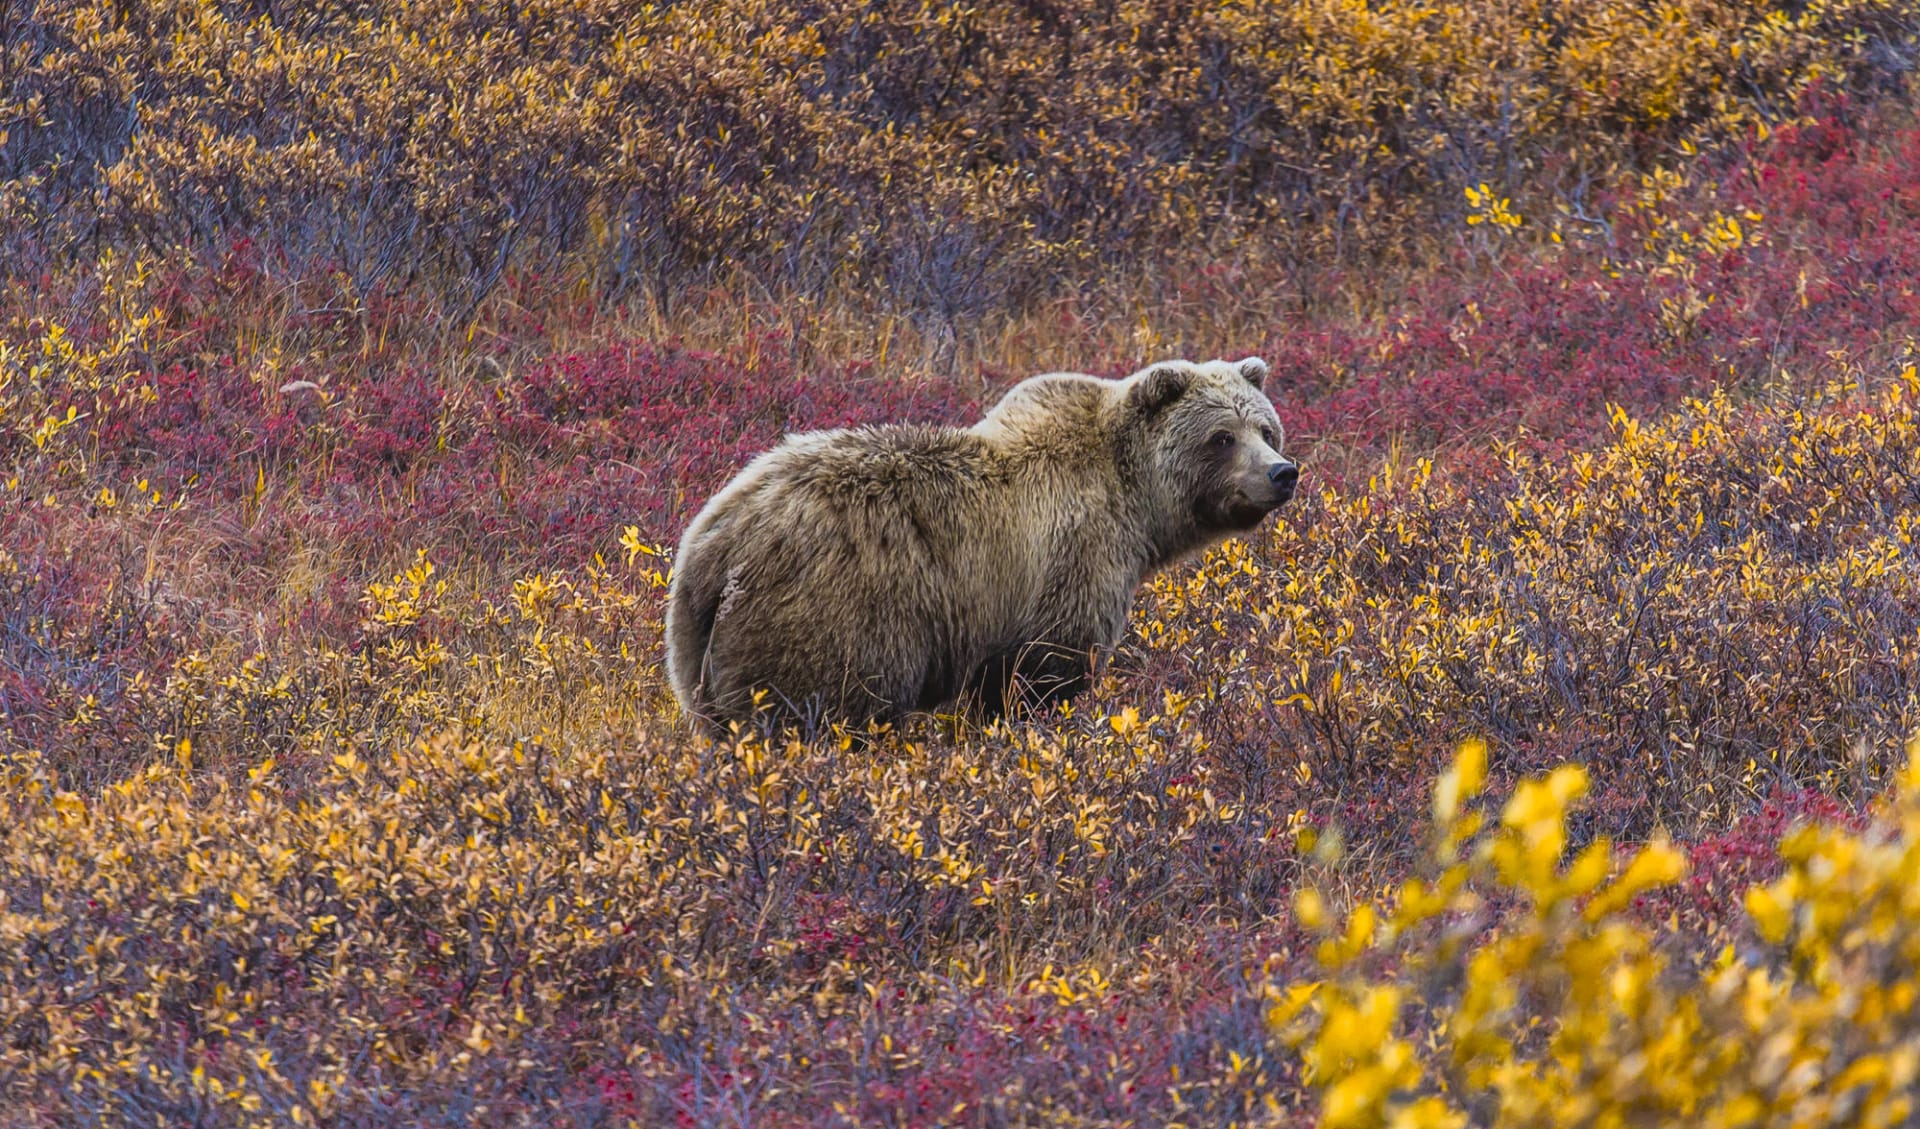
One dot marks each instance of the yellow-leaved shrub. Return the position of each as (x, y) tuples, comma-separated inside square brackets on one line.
[(1513, 986)]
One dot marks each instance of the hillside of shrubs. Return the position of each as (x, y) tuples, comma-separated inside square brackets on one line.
[(1550, 760), (938, 161)]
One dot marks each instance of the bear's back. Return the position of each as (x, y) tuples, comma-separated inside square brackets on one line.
[(1044, 410), (899, 461)]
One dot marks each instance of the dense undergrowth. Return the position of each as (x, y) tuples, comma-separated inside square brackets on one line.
[(939, 160), (341, 784)]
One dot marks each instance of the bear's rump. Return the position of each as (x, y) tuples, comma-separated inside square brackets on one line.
[(834, 606)]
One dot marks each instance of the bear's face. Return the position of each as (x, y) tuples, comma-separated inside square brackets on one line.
[(1214, 441)]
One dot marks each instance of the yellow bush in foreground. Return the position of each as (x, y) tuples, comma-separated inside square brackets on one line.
[(1568, 1012)]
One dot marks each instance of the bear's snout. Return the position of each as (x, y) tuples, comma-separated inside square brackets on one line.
[(1283, 475)]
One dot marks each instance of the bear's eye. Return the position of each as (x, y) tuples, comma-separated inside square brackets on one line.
[(1266, 433), (1222, 439)]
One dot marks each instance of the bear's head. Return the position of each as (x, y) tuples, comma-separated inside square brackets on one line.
[(1212, 443)]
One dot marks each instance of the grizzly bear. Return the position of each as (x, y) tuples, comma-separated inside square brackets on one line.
[(858, 575)]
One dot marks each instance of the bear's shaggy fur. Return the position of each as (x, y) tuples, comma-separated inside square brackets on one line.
[(861, 574)]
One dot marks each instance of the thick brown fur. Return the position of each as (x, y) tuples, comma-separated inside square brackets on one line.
[(862, 574)]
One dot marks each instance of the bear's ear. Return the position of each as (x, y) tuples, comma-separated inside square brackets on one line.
[(1255, 370), (1160, 387)]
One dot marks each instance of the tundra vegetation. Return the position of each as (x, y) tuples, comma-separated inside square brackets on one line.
[(1547, 761)]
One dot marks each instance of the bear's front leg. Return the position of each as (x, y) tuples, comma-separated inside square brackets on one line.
[(1029, 678)]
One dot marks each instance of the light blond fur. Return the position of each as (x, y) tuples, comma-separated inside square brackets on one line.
[(861, 574)]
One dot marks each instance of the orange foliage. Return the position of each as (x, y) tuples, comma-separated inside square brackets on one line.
[(953, 158)]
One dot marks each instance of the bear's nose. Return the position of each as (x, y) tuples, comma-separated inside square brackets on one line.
[(1283, 475)]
